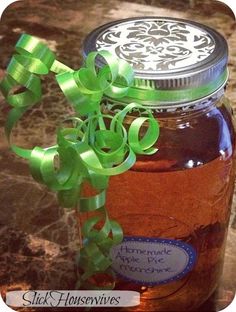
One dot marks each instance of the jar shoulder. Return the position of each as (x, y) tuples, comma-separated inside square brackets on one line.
[(193, 139)]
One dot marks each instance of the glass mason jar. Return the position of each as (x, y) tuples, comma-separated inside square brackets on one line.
[(174, 206)]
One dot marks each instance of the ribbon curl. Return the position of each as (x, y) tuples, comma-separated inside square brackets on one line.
[(94, 148)]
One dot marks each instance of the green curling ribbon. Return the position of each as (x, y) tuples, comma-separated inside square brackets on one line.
[(148, 96), (93, 148)]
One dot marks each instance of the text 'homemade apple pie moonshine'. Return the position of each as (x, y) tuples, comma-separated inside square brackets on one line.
[(173, 206)]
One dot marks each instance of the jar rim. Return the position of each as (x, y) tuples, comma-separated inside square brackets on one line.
[(180, 107), (184, 82)]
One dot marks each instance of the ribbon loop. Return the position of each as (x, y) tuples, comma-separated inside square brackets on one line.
[(36, 56), (92, 149), (92, 203)]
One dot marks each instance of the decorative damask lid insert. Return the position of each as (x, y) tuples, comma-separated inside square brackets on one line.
[(156, 44), (166, 53)]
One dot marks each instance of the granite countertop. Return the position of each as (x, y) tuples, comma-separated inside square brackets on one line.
[(38, 237)]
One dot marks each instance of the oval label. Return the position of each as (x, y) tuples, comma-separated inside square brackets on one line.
[(152, 261)]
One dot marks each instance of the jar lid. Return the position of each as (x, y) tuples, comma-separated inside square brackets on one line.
[(174, 60)]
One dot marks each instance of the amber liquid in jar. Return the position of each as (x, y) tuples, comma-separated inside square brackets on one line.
[(183, 192)]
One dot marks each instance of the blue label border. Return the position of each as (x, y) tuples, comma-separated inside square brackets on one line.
[(190, 250)]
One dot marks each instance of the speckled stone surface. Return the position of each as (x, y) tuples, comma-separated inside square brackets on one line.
[(30, 219)]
